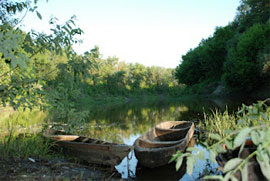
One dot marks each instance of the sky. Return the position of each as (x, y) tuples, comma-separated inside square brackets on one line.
[(150, 32)]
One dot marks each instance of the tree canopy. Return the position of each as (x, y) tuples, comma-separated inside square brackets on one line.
[(236, 55)]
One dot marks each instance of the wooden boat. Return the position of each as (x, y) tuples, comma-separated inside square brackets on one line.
[(165, 172), (156, 147), (165, 134), (91, 150)]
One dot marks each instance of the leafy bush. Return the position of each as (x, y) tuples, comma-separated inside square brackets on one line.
[(251, 122)]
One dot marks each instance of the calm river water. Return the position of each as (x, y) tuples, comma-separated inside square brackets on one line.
[(125, 123)]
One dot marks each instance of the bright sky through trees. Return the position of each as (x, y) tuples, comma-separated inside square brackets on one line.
[(151, 32)]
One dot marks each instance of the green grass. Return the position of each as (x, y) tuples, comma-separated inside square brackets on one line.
[(24, 146), (219, 122), (20, 134), (247, 116)]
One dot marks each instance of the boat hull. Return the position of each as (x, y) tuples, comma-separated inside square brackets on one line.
[(98, 154), (159, 155), (91, 150)]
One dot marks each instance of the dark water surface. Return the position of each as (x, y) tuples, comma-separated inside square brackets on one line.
[(125, 123)]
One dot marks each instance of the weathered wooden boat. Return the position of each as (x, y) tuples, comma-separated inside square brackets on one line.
[(254, 171), (91, 150), (156, 147), (165, 172)]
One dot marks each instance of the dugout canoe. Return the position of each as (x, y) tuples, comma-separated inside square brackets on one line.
[(91, 150), (156, 147)]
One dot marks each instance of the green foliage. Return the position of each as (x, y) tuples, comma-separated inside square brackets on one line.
[(21, 85), (251, 12), (205, 61), (204, 87), (252, 123), (111, 77), (242, 71), (264, 63), (63, 92), (236, 55), (11, 46)]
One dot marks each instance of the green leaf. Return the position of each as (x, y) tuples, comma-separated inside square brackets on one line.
[(255, 137), (241, 149), (174, 157), (39, 15), (14, 62), (241, 121), (233, 178), (213, 177), (229, 144), (264, 162), (241, 137), (244, 171), (213, 155), (178, 154), (227, 176), (231, 164), (264, 116), (253, 117), (215, 136), (220, 149), (262, 135), (179, 162), (189, 165), (267, 135)]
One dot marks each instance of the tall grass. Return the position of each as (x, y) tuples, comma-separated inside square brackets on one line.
[(247, 116), (219, 122), (24, 146), (20, 134)]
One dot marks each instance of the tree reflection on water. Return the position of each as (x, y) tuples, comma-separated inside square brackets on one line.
[(118, 123)]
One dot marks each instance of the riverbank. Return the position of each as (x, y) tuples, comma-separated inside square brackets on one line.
[(53, 169), (119, 120), (21, 141), (221, 92), (25, 156)]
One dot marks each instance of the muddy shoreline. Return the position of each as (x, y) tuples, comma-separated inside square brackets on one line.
[(55, 169)]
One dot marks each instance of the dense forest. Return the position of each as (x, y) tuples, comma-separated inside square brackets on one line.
[(236, 56)]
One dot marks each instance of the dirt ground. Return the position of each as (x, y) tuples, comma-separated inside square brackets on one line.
[(57, 169)]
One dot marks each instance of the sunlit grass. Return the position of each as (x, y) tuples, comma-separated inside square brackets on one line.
[(219, 122)]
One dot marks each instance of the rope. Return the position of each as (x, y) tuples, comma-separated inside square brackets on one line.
[(130, 172), (131, 154)]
